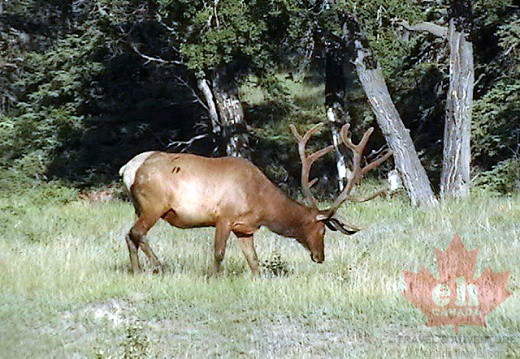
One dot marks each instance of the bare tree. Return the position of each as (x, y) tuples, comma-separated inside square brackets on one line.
[(412, 173), (220, 100), (455, 176)]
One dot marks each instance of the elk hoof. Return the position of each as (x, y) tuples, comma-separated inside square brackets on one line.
[(134, 271)]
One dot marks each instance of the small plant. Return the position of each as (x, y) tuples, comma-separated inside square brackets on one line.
[(136, 344), (100, 354), (343, 274), (275, 266)]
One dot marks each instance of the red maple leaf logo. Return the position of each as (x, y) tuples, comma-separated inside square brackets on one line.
[(456, 298)]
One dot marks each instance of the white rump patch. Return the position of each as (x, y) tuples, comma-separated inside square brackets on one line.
[(128, 171), (394, 180)]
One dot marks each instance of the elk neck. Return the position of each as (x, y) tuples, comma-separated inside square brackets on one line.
[(289, 218)]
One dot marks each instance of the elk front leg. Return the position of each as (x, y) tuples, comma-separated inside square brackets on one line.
[(157, 268), (248, 248), (221, 235)]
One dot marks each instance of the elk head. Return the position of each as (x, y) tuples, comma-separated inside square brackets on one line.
[(328, 217)]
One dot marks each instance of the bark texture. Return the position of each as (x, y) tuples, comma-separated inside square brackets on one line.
[(204, 87), (413, 175), (455, 176), (226, 114)]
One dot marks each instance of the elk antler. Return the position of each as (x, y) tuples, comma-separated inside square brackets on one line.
[(356, 173), (307, 161)]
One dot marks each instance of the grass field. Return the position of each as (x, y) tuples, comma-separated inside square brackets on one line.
[(66, 292)]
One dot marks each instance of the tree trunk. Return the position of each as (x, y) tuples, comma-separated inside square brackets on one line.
[(231, 114), (335, 106), (205, 88), (455, 176), (413, 175), (226, 114)]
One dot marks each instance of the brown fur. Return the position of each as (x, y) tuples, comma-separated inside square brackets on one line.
[(228, 193)]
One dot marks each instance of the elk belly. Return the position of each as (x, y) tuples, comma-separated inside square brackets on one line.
[(184, 220), (190, 208)]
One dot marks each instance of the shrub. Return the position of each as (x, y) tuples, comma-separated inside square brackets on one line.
[(275, 266), (504, 177)]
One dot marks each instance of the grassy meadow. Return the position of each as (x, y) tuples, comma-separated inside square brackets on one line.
[(66, 292)]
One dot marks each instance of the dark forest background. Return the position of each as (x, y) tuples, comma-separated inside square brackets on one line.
[(86, 85)]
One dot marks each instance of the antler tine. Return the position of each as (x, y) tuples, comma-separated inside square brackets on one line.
[(295, 132), (345, 137), (348, 142), (376, 162), (320, 153), (307, 161), (305, 138), (314, 129), (357, 172)]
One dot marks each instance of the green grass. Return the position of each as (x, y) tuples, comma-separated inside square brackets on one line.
[(66, 291)]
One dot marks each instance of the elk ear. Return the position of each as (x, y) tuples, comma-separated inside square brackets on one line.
[(336, 225), (321, 217), (324, 216)]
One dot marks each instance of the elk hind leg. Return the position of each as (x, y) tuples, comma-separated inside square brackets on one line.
[(133, 246), (136, 239)]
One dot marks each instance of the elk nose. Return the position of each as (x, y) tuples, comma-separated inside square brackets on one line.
[(317, 258)]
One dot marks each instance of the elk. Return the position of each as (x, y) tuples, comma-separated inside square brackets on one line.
[(233, 195)]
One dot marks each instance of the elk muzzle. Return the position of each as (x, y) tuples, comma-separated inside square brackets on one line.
[(318, 257)]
